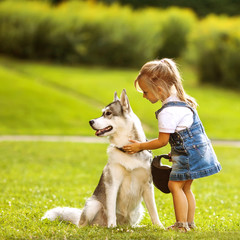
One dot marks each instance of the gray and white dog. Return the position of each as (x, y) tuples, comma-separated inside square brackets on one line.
[(125, 180)]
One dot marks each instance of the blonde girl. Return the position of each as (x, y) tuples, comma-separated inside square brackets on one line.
[(192, 154)]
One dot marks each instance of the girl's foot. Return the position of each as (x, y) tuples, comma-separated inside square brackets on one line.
[(192, 225), (179, 226)]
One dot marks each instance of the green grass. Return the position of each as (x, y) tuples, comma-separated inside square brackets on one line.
[(39, 176), (44, 98)]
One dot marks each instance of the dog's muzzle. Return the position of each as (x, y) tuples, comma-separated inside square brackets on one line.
[(100, 132)]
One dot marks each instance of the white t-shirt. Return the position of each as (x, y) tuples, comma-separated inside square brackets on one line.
[(172, 119)]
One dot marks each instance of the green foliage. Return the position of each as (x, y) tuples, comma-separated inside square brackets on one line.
[(31, 30), (217, 43), (19, 33), (93, 33), (201, 8), (175, 28), (80, 32), (39, 176)]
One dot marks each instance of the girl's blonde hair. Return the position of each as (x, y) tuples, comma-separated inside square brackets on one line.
[(164, 74)]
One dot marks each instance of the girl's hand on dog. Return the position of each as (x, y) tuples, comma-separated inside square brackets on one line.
[(132, 148)]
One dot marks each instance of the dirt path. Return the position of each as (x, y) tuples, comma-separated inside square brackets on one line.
[(88, 139), (45, 138)]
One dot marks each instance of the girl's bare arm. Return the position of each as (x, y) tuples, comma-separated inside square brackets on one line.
[(159, 142)]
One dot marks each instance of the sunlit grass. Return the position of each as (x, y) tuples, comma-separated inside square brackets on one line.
[(39, 176), (43, 98)]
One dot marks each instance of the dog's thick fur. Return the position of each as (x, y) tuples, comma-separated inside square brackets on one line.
[(125, 180)]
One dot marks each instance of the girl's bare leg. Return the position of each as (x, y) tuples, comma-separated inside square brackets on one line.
[(191, 201), (180, 200)]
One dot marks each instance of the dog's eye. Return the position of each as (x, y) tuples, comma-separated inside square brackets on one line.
[(108, 113)]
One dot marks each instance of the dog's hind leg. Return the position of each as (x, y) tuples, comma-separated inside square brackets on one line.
[(136, 215), (100, 219), (89, 212)]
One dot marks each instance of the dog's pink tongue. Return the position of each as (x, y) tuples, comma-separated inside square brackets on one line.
[(98, 132)]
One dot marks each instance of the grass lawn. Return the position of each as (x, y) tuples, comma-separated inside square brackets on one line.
[(38, 176), (44, 98)]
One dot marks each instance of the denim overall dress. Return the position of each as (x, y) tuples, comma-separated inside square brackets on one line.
[(191, 151)]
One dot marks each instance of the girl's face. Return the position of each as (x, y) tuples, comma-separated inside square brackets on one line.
[(147, 92)]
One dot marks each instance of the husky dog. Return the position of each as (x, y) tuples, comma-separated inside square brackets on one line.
[(125, 180)]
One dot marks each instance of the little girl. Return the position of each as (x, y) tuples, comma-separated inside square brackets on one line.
[(192, 154)]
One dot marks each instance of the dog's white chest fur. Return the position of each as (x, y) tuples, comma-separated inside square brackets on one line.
[(129, 162)]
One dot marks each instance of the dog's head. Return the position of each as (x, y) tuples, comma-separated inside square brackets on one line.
[(115, 116)]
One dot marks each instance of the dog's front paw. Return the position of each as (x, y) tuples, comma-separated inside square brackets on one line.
[(112, 224), (159, 224)]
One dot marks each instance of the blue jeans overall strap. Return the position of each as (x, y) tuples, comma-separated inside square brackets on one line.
[(191, 150)]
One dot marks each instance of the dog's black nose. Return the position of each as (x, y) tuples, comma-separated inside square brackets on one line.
[(91, 122)]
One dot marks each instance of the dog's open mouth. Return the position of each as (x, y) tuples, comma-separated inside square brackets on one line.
[(100, 132)]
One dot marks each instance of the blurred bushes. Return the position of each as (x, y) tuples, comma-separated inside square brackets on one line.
[(91, 33), (201, 8), (175, 28), (81, 32), (217, 45)]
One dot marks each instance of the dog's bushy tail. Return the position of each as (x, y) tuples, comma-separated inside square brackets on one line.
[(64, 213)]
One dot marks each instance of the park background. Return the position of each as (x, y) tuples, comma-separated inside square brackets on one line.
[(61, 62)]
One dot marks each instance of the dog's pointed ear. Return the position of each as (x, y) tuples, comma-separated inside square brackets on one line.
[(116, 97), (125, 102)]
